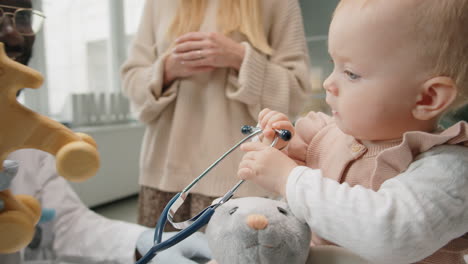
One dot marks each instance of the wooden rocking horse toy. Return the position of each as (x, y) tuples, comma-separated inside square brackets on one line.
[(77, 158)]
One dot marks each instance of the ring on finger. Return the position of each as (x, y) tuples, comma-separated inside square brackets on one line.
[(199, 52)]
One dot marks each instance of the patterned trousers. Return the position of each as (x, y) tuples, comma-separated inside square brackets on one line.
[(151, 203)]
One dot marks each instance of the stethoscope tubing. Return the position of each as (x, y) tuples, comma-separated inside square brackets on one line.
[(202, 218)]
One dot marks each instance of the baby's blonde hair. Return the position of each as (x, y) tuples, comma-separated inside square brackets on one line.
[(442, 31), (244, 16)]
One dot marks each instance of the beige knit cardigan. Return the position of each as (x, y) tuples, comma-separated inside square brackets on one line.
[(195, 120)]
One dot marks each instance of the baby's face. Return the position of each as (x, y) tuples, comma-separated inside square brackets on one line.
[(377, 74)]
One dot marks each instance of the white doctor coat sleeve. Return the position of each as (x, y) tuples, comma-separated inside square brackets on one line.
[(81, 236), (410, 217)]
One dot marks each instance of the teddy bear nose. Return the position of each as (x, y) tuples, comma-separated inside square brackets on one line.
[(257, 221)]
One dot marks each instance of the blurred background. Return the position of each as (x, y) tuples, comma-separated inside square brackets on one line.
[(79, 52), (83, 43)]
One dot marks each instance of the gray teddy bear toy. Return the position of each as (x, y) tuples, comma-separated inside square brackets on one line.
[(251, 230), (264, 231), (257, 230)]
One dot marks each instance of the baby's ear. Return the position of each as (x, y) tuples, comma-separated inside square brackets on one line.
[(435, 96)]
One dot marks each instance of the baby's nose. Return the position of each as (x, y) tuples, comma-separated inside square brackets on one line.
[(257, 221), (330, 86)]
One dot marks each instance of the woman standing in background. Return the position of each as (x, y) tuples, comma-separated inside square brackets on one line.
[(197, 71)]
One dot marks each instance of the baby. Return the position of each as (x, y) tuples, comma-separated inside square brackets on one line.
[(379, 177)]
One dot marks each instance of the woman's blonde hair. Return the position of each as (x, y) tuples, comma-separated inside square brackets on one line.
[(243, 16)]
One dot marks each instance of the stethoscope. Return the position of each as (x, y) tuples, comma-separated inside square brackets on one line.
[(190, 226)]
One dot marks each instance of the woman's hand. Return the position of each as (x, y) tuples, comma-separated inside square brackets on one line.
[(197, 52), (203, 49), (175, 67), (270, 121)]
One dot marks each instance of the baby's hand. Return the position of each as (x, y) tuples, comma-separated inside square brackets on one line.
[(265, 166), (270, 121)]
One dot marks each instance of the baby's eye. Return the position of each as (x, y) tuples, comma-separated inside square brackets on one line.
[(351, 75), (282, 210), (233, 210)]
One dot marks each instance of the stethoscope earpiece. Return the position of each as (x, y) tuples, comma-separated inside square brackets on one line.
[(246, 130), (284, 134), (281, 133)]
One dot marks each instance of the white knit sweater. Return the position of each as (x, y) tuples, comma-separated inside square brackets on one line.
[(410, 217)]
